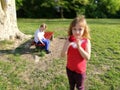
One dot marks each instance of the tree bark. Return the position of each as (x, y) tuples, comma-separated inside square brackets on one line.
[(8, 21)]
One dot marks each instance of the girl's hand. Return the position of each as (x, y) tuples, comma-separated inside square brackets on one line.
[(78, 42)]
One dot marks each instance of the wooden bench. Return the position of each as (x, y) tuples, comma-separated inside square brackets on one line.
[(47, 35)]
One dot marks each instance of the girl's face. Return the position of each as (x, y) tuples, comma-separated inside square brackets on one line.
[(77, 31)]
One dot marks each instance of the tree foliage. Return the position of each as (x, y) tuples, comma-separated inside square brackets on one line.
[(112, 6), (76, 5), (103, 8), (68, 8), (19, 4)]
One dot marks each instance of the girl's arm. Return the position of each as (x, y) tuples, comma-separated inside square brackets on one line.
[(87, 52), (65, 48)]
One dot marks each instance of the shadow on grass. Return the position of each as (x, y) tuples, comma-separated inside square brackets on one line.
[(24, 48)]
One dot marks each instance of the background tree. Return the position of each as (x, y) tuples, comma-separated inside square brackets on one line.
[(77, 6), (8, 22), (68, 8), (19, 4), (58, 5), (110, 7), (103, 8), (34, 9)]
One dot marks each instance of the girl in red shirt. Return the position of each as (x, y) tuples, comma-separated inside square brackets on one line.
[(78, 50)]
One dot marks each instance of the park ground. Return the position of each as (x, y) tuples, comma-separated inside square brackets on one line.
[(23, 68)]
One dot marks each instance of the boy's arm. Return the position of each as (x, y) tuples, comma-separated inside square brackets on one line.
[(40, 38), (41, 41)]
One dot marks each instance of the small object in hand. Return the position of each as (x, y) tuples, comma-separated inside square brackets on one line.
[(72, 39)]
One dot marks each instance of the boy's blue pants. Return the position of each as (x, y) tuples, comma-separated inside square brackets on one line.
[(46, 42)]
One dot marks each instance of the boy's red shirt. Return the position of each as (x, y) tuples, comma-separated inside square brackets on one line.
[(75, 62)]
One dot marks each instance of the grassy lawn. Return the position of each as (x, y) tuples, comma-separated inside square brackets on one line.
[(103, 71)]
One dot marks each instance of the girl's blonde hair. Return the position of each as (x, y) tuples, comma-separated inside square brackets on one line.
[(82, 21)]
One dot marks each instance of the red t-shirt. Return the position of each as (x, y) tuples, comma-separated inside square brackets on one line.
[(75, 62)]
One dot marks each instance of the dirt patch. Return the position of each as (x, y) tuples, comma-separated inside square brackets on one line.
[(21, 47), (27, 53), (55, 48)]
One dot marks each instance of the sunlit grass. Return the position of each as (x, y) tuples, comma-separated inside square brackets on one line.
[(103, 70)]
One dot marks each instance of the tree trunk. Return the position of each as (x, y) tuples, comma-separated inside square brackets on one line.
[(8, 21), (61, 12)]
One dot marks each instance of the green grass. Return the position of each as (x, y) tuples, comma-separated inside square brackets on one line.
[(104, 64), (103, 70), (59, 26)]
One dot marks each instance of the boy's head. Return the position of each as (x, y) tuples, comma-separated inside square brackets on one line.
[(43, 27)]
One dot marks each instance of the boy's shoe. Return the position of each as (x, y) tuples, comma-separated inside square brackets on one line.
[(47, 51)]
